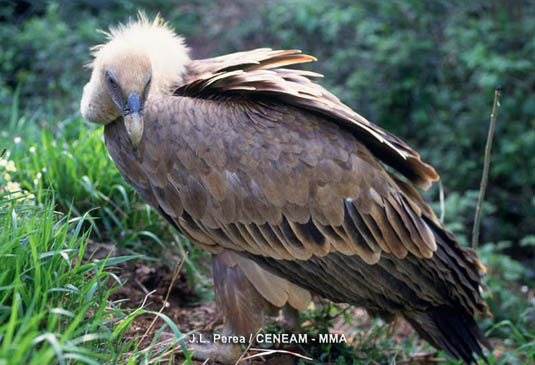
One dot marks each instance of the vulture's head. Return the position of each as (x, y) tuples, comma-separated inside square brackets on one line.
[(139, 60)]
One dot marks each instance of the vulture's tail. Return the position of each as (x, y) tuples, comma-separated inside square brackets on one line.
[(453, 331)]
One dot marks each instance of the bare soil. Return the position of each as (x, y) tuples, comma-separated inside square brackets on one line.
[(147, 285)]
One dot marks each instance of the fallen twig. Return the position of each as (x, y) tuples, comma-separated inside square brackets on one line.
[(425, 357), (175, 275), (265, 352), (248, 347)]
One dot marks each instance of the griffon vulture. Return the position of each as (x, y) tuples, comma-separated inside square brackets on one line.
[(285, 185)]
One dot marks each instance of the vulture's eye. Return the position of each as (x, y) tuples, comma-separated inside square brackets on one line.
[(114, 89), (111, 80), (147, 86)]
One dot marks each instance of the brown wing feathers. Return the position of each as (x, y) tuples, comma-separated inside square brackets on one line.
[(257, 71)]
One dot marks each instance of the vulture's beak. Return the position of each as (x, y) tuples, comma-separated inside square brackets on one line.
[(133, 119)]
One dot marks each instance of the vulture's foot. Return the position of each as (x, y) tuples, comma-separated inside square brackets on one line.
[(226, 353), (217, 352)]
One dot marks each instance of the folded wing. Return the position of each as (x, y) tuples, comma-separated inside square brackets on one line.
[(260, 72)]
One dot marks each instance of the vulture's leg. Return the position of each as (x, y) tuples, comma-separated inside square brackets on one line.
[(243, 308), (289, 319)]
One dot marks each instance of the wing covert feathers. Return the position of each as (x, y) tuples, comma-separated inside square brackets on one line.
[(259, 72)]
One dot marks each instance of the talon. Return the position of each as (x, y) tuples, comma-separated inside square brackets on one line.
[(223, 353)]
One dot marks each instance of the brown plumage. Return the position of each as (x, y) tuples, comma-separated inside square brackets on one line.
[(254, 161)]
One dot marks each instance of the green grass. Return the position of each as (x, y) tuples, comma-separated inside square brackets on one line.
[(55, 302), (50, 300)]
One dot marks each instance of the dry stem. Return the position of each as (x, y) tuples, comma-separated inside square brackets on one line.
[(486, 167)]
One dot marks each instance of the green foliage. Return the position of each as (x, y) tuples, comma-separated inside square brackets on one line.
[(506, 278), (43, 56), (50, 301), (55, 304)]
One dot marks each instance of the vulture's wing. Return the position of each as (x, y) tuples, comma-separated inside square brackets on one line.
[(262, 162), (259, 71)]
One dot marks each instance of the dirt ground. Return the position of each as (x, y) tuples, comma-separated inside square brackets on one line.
[(148, 285)]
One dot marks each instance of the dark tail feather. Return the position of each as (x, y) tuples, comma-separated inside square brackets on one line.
[(453, 331)]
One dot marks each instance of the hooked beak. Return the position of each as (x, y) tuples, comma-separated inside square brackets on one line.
[(133, 119)]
